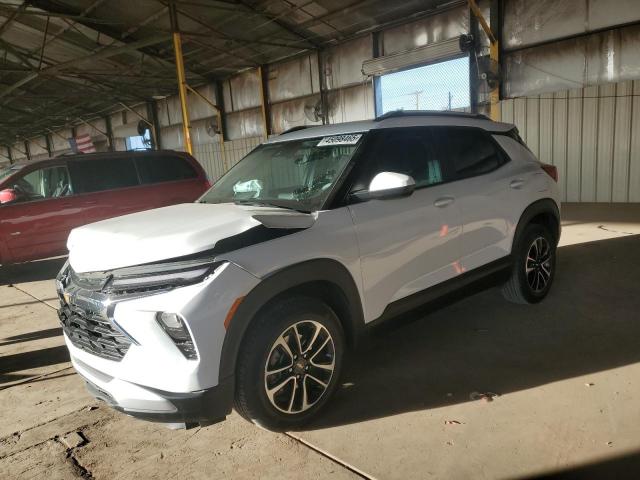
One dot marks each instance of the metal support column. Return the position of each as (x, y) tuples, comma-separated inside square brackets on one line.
[(182, 82), (474, 77), (107, 122), (264, 101), (494, 48), (222, 125), (10, 154), (47, 139), (495, 19), (323, 87), (152, 113), (27, 151)]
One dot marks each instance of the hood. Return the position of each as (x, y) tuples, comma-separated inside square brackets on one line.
[(176, 231)]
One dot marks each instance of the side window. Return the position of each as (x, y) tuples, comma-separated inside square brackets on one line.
[(405, 151), (51, 182), (103, 174), (155, 169), (469, 151)]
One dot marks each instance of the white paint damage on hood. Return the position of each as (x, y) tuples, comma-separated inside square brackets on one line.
[(169, 232)]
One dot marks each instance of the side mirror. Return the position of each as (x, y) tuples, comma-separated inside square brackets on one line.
[(391, 185), (8, 195)]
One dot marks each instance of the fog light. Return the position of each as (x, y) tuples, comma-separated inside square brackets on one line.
[(174, 326)]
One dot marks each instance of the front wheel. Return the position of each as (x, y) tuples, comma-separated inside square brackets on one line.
[(289, 364), (534, 265)]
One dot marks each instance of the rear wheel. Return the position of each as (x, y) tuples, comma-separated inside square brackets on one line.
[(289, 364), (534, 262)]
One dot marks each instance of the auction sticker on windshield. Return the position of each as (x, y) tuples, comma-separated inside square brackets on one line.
[(350, 139)]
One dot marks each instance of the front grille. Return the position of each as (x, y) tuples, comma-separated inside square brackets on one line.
[(93, 333)]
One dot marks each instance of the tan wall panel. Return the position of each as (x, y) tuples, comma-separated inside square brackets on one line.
[(606, 136), (634, 166)]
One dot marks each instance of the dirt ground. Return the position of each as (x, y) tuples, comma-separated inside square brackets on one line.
[(563, 377)]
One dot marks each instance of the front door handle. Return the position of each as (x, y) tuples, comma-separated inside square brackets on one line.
[(517, 183), (443, 202)]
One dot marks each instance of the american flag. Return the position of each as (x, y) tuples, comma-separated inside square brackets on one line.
[(82, 144)]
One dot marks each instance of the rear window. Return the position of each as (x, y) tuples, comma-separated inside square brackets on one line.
[(156, 169), (104, 174)]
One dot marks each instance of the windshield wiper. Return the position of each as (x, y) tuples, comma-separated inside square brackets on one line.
[(262, 203)]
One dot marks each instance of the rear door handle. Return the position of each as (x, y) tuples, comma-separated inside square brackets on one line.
[(443, 202), (517, 183)]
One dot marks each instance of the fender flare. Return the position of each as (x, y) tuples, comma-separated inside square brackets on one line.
[(543, 206), (323, 270)]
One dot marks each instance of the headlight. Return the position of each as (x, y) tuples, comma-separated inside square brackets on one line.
[(158, 276)]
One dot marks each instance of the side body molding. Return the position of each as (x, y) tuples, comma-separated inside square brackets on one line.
[(343, 293)]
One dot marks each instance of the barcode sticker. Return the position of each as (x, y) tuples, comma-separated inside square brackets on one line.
[(350, 139)]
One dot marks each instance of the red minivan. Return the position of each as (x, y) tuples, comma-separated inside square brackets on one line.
[(41, 202)]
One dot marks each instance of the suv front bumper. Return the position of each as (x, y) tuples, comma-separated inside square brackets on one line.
[(176, 410)]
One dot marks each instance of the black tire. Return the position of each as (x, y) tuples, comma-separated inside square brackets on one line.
[(275, 323), (521, 286)]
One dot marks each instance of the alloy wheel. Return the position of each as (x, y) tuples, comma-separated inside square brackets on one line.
[(299, 367), (538, 264)]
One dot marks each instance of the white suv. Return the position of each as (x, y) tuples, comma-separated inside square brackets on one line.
[(250, 296)]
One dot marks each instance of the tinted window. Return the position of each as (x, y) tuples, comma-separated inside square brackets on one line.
[(402, 151), (470, 151), (155, 169), (103, 174), (51, 182)]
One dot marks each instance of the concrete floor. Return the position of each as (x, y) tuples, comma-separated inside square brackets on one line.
[(566, 373)]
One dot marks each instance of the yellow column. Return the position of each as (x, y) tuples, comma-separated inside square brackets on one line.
[(182, 81), (182, 88)]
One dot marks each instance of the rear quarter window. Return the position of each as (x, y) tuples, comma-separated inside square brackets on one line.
[(470, 151), (103, 174), (156, 169)]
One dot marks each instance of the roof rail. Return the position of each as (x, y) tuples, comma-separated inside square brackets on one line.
[(430, 113), (295, 129)]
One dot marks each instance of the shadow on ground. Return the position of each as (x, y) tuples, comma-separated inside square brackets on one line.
[(624, 466), (33, 359), (31, 272), (27, 337), (588, 323)]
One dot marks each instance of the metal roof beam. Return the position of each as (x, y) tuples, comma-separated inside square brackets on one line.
[(50, 6), (105, 53), (283, 25), (12, 16)]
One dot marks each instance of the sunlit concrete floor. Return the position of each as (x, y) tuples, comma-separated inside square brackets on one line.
[(566, 375)]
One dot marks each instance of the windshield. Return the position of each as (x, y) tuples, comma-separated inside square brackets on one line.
[(297, 174), (8, 170)]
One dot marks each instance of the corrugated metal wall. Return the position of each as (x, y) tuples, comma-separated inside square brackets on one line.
[(591, 134)]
